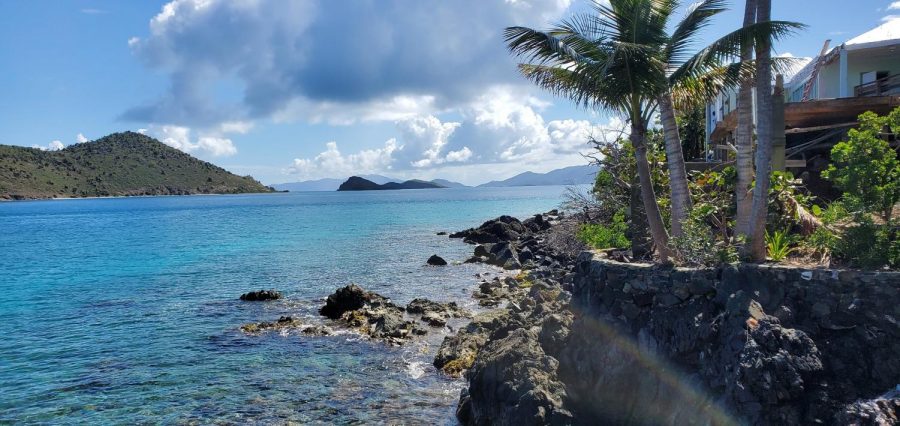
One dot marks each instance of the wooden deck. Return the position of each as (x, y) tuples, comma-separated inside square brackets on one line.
[(800, 117)]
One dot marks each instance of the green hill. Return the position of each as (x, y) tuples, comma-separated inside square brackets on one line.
[(126, 163)]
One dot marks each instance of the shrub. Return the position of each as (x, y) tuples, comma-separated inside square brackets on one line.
[(600, 236), (865, 167), (870, 246), (698, 245)]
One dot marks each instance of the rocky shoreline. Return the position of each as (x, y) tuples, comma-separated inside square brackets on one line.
[(578, 338)]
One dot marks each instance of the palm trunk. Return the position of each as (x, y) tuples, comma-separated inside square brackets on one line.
[(744, 136), (648, 196), (764, 138), (678, 181)]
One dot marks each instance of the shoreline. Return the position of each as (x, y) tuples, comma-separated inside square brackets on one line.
[(664, 344), (134, 196)]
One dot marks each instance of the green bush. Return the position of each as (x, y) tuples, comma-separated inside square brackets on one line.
[(869, 246), (778, 245), (601, 236), (865, 167)]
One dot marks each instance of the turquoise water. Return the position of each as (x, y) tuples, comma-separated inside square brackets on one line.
[(125, 310)]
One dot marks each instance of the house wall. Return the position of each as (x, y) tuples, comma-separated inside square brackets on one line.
[(870, 60), (829, 77)]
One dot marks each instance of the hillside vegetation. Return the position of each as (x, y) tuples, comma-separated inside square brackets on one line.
[(120, 164)]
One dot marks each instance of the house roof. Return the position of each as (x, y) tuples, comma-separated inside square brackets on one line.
[(885, 34), (798, 71)]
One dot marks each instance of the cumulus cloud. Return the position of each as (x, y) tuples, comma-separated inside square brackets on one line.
[(332, 162), (179, 137), (80, 138), (302, 59), (52, 146), (894, 6), (498, 128)]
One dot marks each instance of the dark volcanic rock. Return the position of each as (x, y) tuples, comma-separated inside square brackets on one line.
[(514, 382), (503, 228), (261, 296), (349, 298), (436, 260), (286, 323), (371, 314)]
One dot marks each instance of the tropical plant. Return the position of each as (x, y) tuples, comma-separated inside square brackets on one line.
[(779, 245), (601, 236), (866, 168), (621, 58), (743, 134), (764, 108)]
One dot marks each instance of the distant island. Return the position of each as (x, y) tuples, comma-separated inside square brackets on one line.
[(356, 183), (332, 184), (574, 175), (121, 164)]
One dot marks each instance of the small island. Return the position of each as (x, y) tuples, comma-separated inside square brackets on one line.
[(356, 183)]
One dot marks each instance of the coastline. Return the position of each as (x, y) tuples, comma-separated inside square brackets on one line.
[(589, 340)]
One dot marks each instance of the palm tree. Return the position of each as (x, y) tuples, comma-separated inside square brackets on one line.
[(744, 135), (622, 59), (763, 137)]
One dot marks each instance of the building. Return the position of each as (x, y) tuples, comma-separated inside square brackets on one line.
[(823, 97)]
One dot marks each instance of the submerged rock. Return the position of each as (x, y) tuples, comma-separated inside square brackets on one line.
[(261, 296), (283, 323), (371, 314), (436, 260)]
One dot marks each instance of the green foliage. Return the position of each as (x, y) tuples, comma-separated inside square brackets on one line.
[(699, 246), (692, 129), (779, 245), (119, 164), (866, 168), (600, 236), (870, 246)]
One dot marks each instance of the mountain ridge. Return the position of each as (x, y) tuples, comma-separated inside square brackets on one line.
[(572, 175), (119, 164)]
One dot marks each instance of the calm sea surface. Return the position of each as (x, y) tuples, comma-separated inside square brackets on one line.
[(125, 310)]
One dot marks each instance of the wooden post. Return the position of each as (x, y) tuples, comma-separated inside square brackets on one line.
[(778, 137)]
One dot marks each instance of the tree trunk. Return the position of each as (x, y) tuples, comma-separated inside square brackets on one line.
[(641, 243), (648, 196), (763, 140), (744, 136), (678, 181)]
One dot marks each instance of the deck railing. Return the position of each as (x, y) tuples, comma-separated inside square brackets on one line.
[(889, 85)]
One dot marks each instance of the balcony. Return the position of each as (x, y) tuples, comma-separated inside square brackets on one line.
[(889, 85)]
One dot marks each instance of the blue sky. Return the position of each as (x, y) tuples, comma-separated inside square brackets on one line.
[(295, 90)]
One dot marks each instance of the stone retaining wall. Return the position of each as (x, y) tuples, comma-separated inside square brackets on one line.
[(747, 343)]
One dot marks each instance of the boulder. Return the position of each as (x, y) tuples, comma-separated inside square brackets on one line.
[(350, 298), (436, 260), (261, 296), (514, 382)]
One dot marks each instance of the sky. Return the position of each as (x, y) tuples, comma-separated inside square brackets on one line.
[(296, 90)]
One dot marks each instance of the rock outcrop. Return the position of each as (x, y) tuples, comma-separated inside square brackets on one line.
[(644, 344), (436, 260), (371, 314), (261, 296)]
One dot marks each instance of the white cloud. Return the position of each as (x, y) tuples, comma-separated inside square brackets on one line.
[(52, 146), (384, 60), (179, 137), (80, 138), (332, 162), (503, 127), (894, 6), (890, 18)]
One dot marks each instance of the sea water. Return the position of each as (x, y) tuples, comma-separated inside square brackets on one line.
[(126, 310)]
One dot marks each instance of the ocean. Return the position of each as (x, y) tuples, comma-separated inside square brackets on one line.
[(126, 310)]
